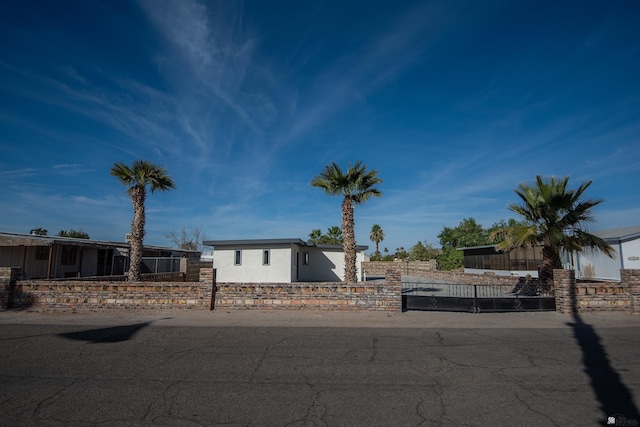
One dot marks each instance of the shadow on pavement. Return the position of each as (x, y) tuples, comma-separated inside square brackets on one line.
[(106, 335), (616, 400)]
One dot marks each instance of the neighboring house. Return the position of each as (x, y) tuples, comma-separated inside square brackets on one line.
[(279, 261), (516, 262), (50, 257), (592, 264), (589, 264)]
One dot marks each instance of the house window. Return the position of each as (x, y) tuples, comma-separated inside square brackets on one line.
[(69, 255), (305, 257), (41, 253), (266, 255), (237, 260)]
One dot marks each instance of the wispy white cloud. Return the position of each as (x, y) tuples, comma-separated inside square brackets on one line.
[(209, 52), (357, 75), (42, 205), (66, 165), (19, 173), (72, 169)]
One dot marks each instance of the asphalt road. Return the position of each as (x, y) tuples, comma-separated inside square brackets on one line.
[(318, 369)]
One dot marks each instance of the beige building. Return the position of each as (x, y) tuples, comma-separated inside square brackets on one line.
[(52, 257)]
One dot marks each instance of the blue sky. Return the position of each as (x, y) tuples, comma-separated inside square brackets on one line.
[(453, 102)]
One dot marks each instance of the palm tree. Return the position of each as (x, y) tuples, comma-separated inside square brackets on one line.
[(356, 185), (39, 231), (77, 234), (333, 236), (376, 235), (554, 217), (315, 236), (137, 177)]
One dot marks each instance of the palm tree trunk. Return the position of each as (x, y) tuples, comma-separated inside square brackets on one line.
[(138, 195), (550, 262), (349, 245)]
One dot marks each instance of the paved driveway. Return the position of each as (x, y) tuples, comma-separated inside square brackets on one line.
[(317, 369)]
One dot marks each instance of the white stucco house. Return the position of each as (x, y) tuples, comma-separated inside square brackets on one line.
[(279, 261), (595, 264)]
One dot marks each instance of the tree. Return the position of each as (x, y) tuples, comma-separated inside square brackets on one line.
[(376, 235), (498, 225), (423, 252), (78, 234), (450, 259), (191, 241), (137, 177), (554, 217), (38, 231), (315, 236), (333, 236), (468, 233), (356, 186), (401, 253)]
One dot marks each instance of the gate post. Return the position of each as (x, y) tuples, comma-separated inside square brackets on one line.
[(631, 279), (8, 278), (393, 289), (564, 282)]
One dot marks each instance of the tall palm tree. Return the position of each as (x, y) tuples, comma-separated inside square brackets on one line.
[(376, 235), (137, 177), (554, 217), (356, 185)]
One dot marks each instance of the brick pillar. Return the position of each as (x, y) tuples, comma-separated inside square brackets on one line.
[(393, 289), (8, 277), (631, 280), (208, 275), (564, 283), (184, 265)]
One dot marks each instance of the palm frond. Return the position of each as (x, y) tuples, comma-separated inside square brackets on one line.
[(556, 216)]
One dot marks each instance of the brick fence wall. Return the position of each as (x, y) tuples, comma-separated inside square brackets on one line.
[(571, 296), (413, 268), (460, 277), (78, 294), (95, 294), (380, 296), (580, 297)]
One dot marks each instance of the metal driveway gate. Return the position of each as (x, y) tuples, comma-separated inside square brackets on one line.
[(430, 296)]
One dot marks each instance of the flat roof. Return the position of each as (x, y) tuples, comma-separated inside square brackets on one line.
[(24, 239), (619, 234), (477, 247), (238, 242), (267, 242)]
